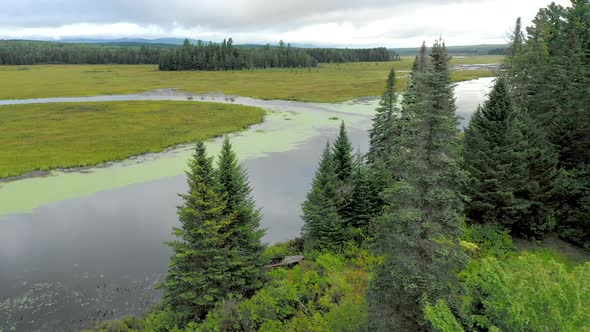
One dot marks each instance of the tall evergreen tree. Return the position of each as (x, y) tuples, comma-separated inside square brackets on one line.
[(385, 123), (549, 78), (511, 168), (363, 203), (342, 154), (417, 236), (198, 270), (514, 68), (493, 161), (537, 188), (323, 227), (244, 233)]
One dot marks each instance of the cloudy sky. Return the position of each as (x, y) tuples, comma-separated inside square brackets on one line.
[(392, 23)]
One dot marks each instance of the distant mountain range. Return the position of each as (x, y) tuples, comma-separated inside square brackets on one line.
[(175, 42)]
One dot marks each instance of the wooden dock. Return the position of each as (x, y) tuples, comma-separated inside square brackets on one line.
[(288, 261)]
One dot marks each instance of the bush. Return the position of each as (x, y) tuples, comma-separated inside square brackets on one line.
[(327, 294), (441, 318), (490, 240), (527, 293)]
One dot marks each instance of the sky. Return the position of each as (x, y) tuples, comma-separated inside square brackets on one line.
[(337, 23)]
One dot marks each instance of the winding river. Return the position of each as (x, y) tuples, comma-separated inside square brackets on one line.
[(82, 246)]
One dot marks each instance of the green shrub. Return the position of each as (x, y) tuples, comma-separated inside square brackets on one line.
[(527, 293), (325, 294), (490, 240), (441, 318)]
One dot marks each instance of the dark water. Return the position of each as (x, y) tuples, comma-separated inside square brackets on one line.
[(73, 264)]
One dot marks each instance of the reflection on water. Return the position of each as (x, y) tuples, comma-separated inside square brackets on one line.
[(98, 254)]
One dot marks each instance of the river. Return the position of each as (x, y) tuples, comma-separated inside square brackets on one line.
[(81, 246)]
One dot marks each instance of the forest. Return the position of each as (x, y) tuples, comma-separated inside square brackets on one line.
[(37, 52), (199, 56), (418, 234), (226, 56)]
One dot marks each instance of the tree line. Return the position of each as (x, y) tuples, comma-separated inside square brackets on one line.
[(338, 55), (226, 56), (34, 52), (199, 56)]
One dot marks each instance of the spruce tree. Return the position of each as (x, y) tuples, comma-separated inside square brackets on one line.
[(198, 270), (417, 236), (493, 161), (244, 233), (385, 123), (323, 227), (343, 166), (511, 168), (537, 189), (342, 154), (514, 68), (363, 203), (549, 78)]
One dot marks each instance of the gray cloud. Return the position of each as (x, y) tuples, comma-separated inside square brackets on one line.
[(321, 22), (212, 14)]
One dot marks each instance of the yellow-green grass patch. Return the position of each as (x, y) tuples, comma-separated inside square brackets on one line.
[(59, 135), (327, 83)]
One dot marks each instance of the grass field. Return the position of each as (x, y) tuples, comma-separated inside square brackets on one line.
[(55, 135), (328, 83)]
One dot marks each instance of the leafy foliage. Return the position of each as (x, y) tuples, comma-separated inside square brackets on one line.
[(527, 293), (441, 318), (490, 240), (322, 295)]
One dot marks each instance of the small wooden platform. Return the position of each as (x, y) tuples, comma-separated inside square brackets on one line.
[(288, 261)]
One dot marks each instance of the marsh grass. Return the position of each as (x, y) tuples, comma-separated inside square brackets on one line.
[(58, 135), (327, 83)]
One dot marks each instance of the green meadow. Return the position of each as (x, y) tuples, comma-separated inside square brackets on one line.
[(55, 135), (60, 135), (327, 83)]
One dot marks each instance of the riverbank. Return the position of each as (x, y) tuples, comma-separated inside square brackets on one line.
[(287, 125), (39, 137), (327, 83)]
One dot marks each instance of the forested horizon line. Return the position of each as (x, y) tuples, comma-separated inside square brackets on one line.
[(248, 56)]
